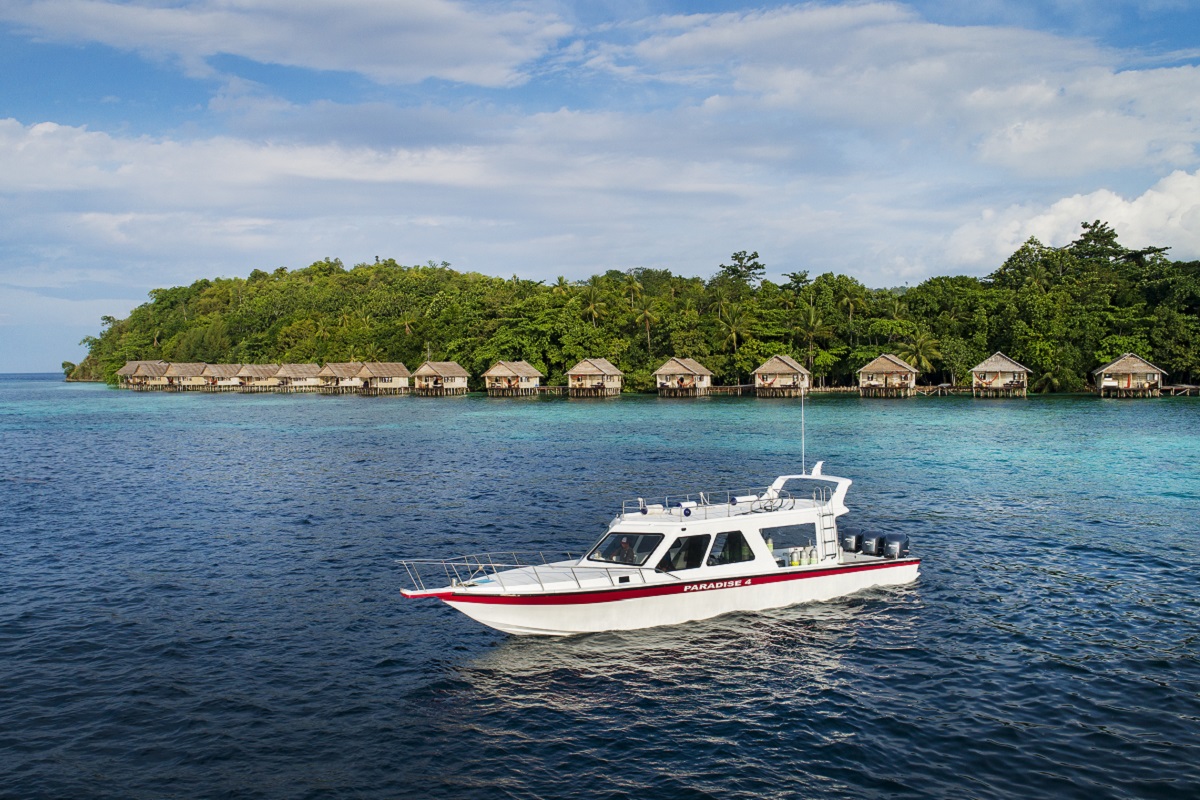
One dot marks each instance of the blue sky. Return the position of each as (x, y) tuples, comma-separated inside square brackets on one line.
[(147, 144)]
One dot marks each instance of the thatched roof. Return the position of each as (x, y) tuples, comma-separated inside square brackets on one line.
[(889, 363), (341, 369), (781, 365), (683, 366), (221, 370), (513, 369), (131, 367), (383, 369), (186, 370), (442, 369), (297, 371), (151, 369), (258, 371), (998, 362), (1129, 364), (594, 366)]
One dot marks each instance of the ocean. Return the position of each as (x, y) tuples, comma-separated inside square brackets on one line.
[(200, 599)]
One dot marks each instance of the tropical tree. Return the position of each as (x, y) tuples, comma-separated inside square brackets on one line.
[(811, 328), (920, 351), (647, 317)]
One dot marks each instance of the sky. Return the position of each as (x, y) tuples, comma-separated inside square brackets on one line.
[(153, 143)]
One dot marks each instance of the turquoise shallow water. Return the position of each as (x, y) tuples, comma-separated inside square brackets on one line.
[(200, 600)]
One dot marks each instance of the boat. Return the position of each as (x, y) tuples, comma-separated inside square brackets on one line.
[(678, 559)]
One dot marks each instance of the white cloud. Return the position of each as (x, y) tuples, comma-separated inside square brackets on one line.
[(391, 42), (1167, 214)]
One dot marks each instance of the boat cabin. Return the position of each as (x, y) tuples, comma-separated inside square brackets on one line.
[(790, 523), (1128, 376)]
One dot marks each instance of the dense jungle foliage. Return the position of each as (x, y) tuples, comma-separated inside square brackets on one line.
[(1059, 311)]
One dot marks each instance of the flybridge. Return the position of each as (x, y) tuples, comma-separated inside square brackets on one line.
[(820, 490)]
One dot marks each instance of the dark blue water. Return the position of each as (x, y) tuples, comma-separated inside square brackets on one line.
[(199, 599)]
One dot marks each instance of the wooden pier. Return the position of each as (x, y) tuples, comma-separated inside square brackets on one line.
[(684, 391), (780, 391), (736, 391), (1182, 389), (888, 391), (440, 391)]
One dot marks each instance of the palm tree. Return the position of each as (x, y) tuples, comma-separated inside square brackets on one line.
[(562, 287), (921, 351), (812, 328), (850, 298), (593, 303), (719, 301), (736, 324), (647, 317), (632, 287)]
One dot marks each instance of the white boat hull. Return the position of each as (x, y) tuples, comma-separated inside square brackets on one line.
[(648, 606)]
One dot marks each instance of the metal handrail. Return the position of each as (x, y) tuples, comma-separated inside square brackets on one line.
[(465, 570), (732, 501)]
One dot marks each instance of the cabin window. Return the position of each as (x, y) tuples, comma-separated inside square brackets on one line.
[(730, 548), (686, 552), (626, 548), (786, 536)]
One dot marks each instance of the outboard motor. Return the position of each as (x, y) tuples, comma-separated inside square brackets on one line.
[(852, 542), (895, 545), (872, 544)]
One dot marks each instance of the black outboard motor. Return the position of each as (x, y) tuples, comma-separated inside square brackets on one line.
[(895, 545), (851, 542), (872, 544)]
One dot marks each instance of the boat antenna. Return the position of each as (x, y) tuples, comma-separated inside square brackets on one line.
[(803, 463)]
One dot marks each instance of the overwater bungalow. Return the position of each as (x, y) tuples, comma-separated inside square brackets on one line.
[(258, 378), (887, 376), (683, 377), (440, 379), (1128, 376), (221, 377), (999, 376), (298, 377), (594, 377), (384, 377), (340, 377), (186, 377), (782, 376), (512, 379), (149, 376), (125, 375)]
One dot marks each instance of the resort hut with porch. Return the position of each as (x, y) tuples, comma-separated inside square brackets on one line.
[(683, 377), (512, 379), (887, 376), (188, 377), (1128, 376), (384, 377), (150, 376), (298, 377), (125, 375), (221, 377), (594, 377), (340, 377), (782, 376), (440, 379), (258, 378), (999, 376)]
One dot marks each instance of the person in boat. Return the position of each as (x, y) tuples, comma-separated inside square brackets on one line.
[(624, 552)]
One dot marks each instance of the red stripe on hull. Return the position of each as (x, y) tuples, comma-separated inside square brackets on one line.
[(613, 595)]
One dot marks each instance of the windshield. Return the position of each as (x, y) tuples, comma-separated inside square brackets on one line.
[(626, 548)]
